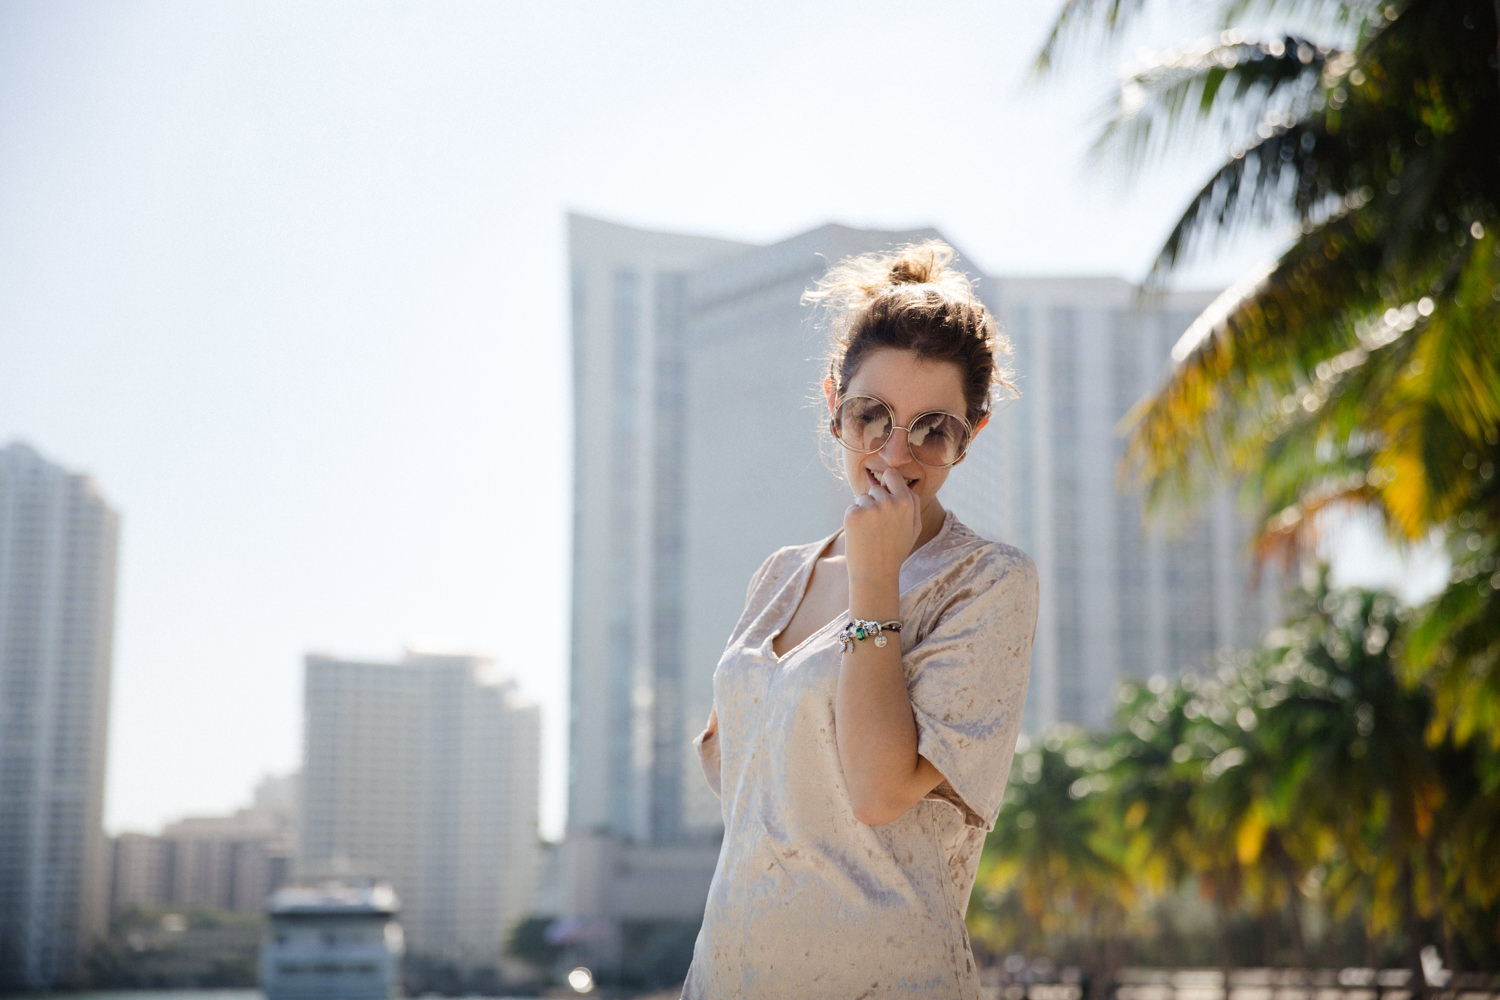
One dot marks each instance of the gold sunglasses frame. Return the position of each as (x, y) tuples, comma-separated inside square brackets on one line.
[(833, 428)]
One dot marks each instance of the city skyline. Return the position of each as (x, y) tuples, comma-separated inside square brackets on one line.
[(292, 310)]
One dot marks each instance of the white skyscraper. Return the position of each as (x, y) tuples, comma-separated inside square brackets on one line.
[(1118, 601), (58, 540), (695, 454), (425, 772), (628, 315), (697, 410)]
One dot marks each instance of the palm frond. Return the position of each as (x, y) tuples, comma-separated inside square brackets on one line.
[(1295, 531), (1342, 17), (1396, 125), (1275, 179), (1455, 646), (1243, 369), (1460, 365), (1075, 19), (1310, 478), (1227, 85), (1440, 411)]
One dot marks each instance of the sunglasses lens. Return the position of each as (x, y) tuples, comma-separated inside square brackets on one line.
[(937, 440), (862, 423)]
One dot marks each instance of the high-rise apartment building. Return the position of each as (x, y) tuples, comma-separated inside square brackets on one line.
[(695, 453), (58, 540), (1119, 600), (628, 314), (425, 773), (697, 412)]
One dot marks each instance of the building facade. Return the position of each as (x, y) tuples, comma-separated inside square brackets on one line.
[(58, 543), (1121, 600), (425, 773), (229, 862), (695, 453), (628, 314), (697, 417)]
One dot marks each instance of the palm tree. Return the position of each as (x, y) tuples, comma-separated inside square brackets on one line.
[(1469, 818), (1163, 746), (1050, 858), (1264, 846), (1349, 737), (1298, 777), (1154, 772), (1302, 774), (1360, 370)]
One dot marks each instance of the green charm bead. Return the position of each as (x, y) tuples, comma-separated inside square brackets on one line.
[(860, 629)]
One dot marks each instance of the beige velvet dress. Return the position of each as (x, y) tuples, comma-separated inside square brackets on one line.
[(807, 901)]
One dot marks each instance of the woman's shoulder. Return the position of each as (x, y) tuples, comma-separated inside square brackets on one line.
[(968, 553), (800, 552), (974, 582), (784, 562)]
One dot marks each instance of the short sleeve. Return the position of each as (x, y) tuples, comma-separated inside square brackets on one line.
[(706, 743), (759, 575), (967, 678)]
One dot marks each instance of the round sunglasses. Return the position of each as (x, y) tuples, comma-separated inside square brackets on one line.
[(864, 423)]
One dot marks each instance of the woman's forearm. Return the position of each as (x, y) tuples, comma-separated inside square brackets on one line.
[(875, 727)]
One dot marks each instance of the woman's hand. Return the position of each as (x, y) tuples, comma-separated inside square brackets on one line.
[(881, 528)]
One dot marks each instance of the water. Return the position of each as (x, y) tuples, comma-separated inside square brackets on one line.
[(148, 995), (178, 995)]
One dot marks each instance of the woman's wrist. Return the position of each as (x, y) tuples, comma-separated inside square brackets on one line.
[(857, 630), (875, 599)]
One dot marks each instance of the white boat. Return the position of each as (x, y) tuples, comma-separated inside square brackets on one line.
[(332, 941)]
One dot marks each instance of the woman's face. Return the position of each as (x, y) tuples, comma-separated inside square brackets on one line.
[(910, 386)]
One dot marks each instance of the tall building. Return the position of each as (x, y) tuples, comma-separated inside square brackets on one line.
[(697, 409), (1119, 601), (426, 773), (628, 311), (58, 541), (695, 453)]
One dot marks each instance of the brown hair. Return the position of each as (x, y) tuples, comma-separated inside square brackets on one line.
[(909, 298)]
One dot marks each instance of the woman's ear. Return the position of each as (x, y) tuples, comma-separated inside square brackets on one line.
[(828, 393), (974, 434)]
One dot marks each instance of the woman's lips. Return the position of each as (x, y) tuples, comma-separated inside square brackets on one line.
[(876, 479)]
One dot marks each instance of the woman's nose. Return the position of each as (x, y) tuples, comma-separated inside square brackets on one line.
[(894, 453)]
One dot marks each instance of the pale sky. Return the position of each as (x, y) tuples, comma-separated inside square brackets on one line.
[(288, 279)]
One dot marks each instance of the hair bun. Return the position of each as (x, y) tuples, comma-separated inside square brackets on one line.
[(909, 298), (920, 264)]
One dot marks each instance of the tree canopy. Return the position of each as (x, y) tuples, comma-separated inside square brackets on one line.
[(1360, 369), (1290, 791)]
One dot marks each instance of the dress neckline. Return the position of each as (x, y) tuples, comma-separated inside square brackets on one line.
[(803, 579)]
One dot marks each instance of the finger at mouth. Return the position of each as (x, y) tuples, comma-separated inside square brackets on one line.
[(880, 479)]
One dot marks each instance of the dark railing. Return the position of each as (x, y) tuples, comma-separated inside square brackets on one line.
[(1252, 984)]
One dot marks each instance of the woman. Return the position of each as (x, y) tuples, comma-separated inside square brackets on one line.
[(867, 705)]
